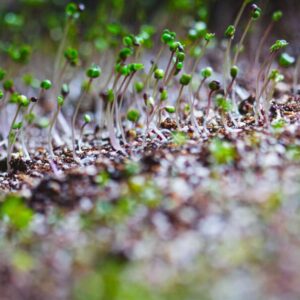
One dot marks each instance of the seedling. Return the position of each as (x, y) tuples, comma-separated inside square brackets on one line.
[(276, 17), (207, 39), (92, 73), (229, 35), (286, 60), (184, 81), (22, 102), (205, 73), (167, 38), (265, 69), (60, 102), (255, 15), (72, 12), (86, 120), (214, 86)]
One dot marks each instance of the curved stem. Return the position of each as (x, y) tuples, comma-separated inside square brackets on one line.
[(241, 42), (75, 116), (262, 42), (53, 121), (177, 105), (10, 142)]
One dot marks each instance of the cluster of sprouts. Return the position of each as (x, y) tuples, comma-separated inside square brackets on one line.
[(137, 96)]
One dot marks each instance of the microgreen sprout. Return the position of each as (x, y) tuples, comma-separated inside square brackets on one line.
[(214, 86), (72, 13), (133, 115), (265, 69), (184, 81), (92, 73), (286, 60), (60, 102), (22, 102), (276, 17), (229, 35), (254, 15), (86, 120)]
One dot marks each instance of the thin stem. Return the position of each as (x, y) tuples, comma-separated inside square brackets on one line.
[(197, 61), (262, 43), (177, 105), (11, 142), (60, 50), (52, 124), (81, 135), (209, 102), (153, 66), (119, 120), (266, 65), (168, 67), (227, 62), (240, 13), (75, 116), (241, 42), (197, 94)]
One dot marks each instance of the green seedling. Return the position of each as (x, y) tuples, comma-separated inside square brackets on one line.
[(22, 102), (214, 86), (86, 120), (184, 81), (276, 17), (264, 70), (254, 15), (92, 73)]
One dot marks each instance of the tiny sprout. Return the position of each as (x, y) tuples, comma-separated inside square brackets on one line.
[(170, 109), (125, 53), (200, 28), (230, 31), (1, 94), (286, 60), (255, 12), (133, 115), (206, 72), (136, 67), (73, 10), (277, 16), (180, 56), (65, 90), (179, 66), (164, 95), (214, 85), (168, 36), (159, 74), (8, 85), (128, 41), (234, 72), (139, 86), (60, 100), (17, 125), (185, 79), (87, 118), (71, 55), (110, 96), (46, 84), (278, 45), (2, 74), (93, 72), (23, 100), (223, 103), (276, 76), (209, 37)]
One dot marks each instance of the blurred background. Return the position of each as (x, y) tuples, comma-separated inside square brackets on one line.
[(32, 19)]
